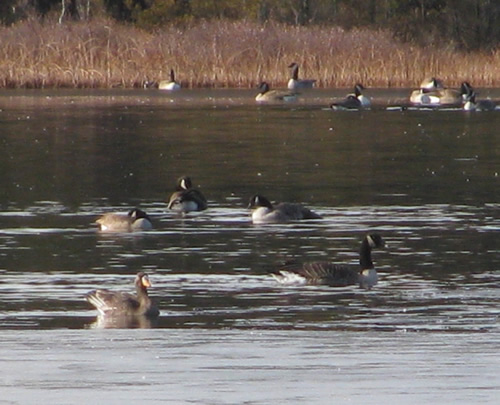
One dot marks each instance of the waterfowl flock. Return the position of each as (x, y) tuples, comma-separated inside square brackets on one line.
[(185, 199), (432, 93)]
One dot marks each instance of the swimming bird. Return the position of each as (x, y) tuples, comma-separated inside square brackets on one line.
[(117, 303), (353, 101), (186, 198), (336, 275), (135, 220), (365, 101), (295, 83), (274, 95), (171, 84), (263, 212), (471, 104), (436, 95)]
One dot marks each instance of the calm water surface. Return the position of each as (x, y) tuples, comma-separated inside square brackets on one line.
[(426, 180)]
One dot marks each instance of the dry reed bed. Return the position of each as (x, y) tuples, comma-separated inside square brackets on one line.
[(105, 54)]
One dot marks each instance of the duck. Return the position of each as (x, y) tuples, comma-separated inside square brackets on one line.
[(295, 83), (333, 274), (117, 303), (135, 220), (263, 212), (171, 84), (471, 104), (274, 95), (186, 198)]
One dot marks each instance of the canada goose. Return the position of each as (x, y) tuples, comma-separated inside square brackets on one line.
[(437, 95), (186, 198), (431, 84), (117, 303), (353, 101), (135, 220), (425, 95), (471, 104), (263, 212), (336, 275), (295, 83), (365, 101), (274, 95), (171, 84)]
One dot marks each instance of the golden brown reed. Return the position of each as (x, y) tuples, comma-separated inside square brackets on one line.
[(103, 53)]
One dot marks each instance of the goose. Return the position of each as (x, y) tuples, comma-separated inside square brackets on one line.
[(135, 220), (263, 212), (117, 303), (274, 95), (171, 84), (353, 101), (296, 83), (336, 275), (186, 198), (426, 94), (365, 101), (471, 104), (431, 84), (437, 95)]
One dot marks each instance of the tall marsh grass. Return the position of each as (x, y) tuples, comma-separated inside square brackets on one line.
[(103, 53)]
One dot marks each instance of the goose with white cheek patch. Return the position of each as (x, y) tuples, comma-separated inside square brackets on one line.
[(336, 275), (186, 198), (295, 83), (268, 95), (263, 212), (169, 85), (135, 220), (353, 101)]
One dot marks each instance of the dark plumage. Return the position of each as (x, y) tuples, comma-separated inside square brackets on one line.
[(263, 212), (336, 275), (186, 198), (353, 101), (274, 95), (296, 83), (116, 303)]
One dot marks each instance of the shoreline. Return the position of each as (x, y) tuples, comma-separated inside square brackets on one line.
[(103, 54)]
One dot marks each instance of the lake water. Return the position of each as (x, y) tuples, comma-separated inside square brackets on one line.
[(427, 181)]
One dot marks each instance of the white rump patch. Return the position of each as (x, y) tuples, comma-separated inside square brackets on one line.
[(289, 278)]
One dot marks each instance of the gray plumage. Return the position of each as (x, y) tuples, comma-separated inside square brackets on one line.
[(135, 220), (186, 198), (335, 275), (264, 212), (116, 303)]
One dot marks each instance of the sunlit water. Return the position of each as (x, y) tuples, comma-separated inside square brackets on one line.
[(426, 180)]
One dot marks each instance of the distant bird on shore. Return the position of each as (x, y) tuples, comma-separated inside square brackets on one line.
[(295, 83), (263, 212), (274, 95), (335, 275), (121, 304), (186, 198), (170, 85), (353, 101), (135, 220)]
